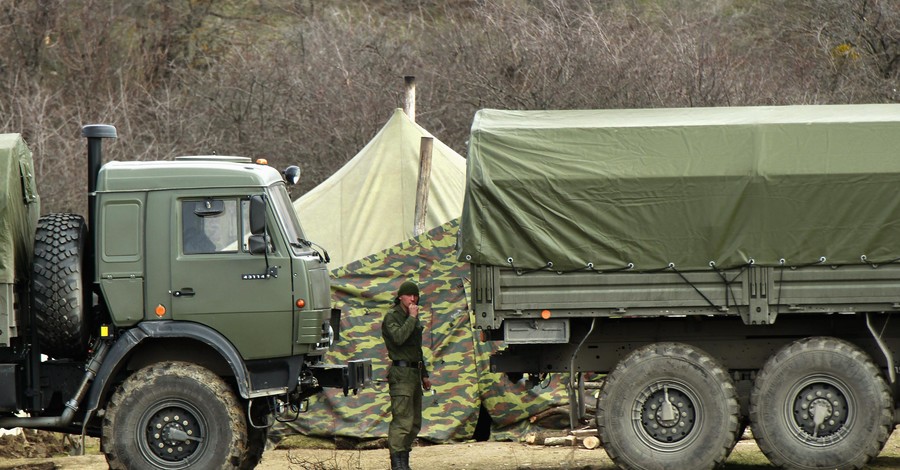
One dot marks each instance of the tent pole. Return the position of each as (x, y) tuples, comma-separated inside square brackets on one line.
[(409, 103), (425, 150)]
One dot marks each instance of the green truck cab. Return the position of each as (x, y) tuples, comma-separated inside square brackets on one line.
[(179, 324), (714, 267)]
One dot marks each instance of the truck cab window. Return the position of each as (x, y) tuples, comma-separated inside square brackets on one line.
[(209, 226)]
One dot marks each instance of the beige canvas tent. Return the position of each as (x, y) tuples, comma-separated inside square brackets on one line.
[(369, 204)]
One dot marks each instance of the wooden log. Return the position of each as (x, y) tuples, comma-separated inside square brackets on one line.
[(538, 438), (591, 442), (583, 432), (560, 441), (549, 412)]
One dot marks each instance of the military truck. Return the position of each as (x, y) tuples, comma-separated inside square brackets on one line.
[(717, 268), (178, 323)]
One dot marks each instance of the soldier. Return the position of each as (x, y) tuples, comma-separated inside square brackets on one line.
[(402, 333)]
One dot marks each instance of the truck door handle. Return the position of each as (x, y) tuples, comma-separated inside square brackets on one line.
[(184, 292)]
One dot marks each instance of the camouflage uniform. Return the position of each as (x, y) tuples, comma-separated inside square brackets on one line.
[(403, 338)]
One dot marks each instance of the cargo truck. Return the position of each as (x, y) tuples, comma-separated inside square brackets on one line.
[(722, 267), (178, 323)]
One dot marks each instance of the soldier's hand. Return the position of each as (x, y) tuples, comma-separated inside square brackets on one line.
[(426, 383), (414, 310)]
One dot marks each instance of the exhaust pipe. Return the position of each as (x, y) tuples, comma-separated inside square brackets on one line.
[(60, 423), (95, 134)]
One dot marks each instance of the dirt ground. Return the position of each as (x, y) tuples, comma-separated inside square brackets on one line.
[(462, 456)]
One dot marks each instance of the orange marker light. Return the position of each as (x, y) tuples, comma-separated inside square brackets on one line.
[(160, 310), (301, 303), (262, 161), (545, 314)]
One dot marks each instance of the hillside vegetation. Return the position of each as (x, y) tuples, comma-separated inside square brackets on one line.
[(310, 81)]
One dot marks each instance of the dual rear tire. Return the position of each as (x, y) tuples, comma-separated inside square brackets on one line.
[(817, 403), (820, 403)]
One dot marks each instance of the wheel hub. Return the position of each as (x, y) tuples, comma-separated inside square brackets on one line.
[(173, 434), (668, 415), (820, 410)]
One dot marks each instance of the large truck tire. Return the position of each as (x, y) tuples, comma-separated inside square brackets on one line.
[(174, 415), (820, 403), (58, 290), (257, 437), (696, 429)]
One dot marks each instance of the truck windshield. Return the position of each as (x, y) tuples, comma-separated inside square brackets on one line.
[(287, 217)]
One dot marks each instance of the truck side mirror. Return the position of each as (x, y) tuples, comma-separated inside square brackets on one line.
[(258, 244), (257, 215)]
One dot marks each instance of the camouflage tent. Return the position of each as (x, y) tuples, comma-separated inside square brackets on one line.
[(458, 360)]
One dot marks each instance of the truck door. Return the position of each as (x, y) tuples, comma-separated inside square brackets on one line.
[(217, 282)]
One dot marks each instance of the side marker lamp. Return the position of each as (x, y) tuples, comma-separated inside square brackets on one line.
[(545, 314), (301, 303), (160, 310)]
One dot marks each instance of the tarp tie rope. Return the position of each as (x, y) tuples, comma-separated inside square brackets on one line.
[(814, 263), (864, 259), (659, 270), (587, 267), (521, 272), (782, 262), (728, 291), (685, 279), (627, 267)]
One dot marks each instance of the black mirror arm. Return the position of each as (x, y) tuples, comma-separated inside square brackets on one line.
[(325, 259)]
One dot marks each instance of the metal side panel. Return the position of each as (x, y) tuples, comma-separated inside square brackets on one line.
[(124, 296), (849, 284), (8, 328), (616, 292), (483, 295), (9, 386)]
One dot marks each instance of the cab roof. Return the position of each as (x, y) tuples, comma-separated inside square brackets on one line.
[(185, 173)]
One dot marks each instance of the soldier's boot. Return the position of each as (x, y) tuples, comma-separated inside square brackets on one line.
[(397, 461), (404, 456)]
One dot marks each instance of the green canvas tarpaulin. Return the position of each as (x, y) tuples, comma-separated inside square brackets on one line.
[(459, 360), (686, 187), (19, 207)]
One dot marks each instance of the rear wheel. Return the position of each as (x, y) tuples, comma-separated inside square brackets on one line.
[(668, 405), (174, 415), (820, 403), (60, 298)]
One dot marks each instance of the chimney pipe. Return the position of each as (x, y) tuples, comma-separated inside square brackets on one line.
[(409, 102)]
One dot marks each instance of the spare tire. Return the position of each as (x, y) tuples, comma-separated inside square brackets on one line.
[(58, 289)]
